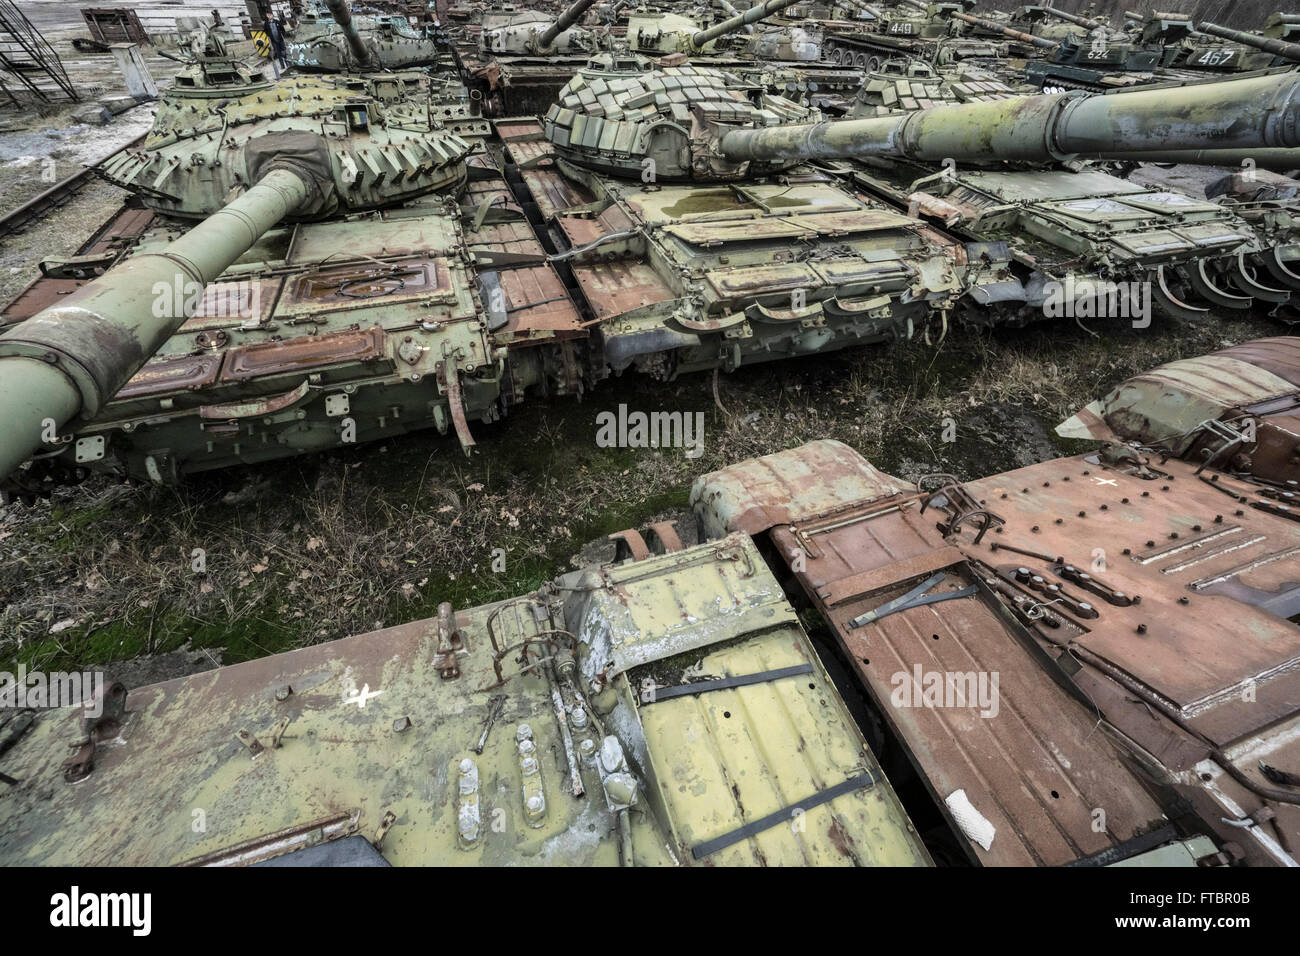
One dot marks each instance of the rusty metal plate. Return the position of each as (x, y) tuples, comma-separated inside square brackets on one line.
[(161, 375), (303, 353), (492, 190), (42, 293), (1167, 593), (1193, 654), (1027, 756), (537, 303), (512, 237), (518, 129), (119, 231), (612, 288), (528, 152), (364, 285), (553, 192), (581, 231), (126, 225), (228, 304), (1279, 355), (816, 480)]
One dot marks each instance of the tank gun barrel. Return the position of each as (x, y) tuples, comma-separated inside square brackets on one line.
[(732, 24), (1280, 160), (869, 8), (343, 17), (1288, 51), (1041, 42), (730, 10), (1085, 22), (70, 359), (1241, 114), (566, 19)]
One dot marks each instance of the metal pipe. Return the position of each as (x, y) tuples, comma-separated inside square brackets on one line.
[(1245, 113), (766, 9), (1041, 42), (1288, 51), (566, 19), (72, 358), (343, 17)]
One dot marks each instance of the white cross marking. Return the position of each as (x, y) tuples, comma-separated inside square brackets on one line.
[(360, 697)]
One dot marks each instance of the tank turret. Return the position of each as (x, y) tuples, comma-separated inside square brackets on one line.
[(733, 24), (672, 33), (343, 17), (701, 124), (536, 34), (311, 148), (1281, 49), (566, 19), (337, 42)]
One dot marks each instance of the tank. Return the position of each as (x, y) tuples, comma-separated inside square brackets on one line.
[(1273, 51), (692, 241), (74, 358), (924, 31), (1087, 24), (573, 249), (1095, 62), (659, 35), (1183, 47), (519, 59), (355, 322), (1074, 230), (1155, 236), (783, 57), (332, 41), (745, 138), (533, 33)]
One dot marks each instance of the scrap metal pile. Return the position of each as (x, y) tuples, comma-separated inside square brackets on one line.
[(363, 250)]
